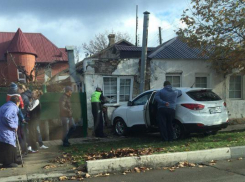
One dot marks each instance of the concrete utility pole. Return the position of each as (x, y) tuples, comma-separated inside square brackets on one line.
[(136, 31), (144, 51), (160, 35), (72, 65)]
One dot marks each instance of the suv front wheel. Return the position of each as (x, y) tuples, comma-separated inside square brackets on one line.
[(120, 127)]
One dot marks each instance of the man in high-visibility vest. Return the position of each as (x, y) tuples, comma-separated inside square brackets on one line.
[(97, 100)]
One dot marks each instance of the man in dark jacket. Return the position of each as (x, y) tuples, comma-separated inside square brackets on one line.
[(97, 100), (66, 116), (166, 103)]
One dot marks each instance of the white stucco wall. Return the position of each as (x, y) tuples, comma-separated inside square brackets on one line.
[(159, 68), (125, 67), (188, 70)]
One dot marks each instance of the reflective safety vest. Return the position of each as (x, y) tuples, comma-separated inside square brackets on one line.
[(95, 97)]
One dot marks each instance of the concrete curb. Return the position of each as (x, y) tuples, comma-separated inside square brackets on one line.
[(35, 176), (124, 163)]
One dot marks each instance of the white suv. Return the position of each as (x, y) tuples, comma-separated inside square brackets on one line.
[(198, 110)]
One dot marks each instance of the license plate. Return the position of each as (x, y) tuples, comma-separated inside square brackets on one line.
[(214, 110)]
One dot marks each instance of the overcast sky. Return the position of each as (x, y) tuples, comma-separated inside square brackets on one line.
[(73, 22)]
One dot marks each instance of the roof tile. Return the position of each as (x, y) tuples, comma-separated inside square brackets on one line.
[(45, 50)]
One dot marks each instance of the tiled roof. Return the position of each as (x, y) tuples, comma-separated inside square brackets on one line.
[(176, 49), (120, 42), (20, 44), (45, 50), (132, 48)]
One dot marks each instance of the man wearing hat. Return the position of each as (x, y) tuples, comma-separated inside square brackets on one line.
[(97, 99), (66, 116)]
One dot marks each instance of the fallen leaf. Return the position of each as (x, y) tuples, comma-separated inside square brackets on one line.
[(87, 175), (137, 169), (62, 178), (73, 178), (172, 170)]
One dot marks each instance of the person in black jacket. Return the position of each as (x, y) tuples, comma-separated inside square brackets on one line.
[(34, 114), (66, 116), (26, 97)]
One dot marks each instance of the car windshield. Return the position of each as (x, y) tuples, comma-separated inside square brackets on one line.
[(203, 95)]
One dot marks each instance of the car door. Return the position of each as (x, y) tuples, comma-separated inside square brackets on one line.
[(148, 109), (135, 113)]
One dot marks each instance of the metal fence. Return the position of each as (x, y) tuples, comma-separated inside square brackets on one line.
[(50, 107)]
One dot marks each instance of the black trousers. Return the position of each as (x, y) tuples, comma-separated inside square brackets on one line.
[(8, 154), (32, 127), (98, 120), (22, 134), (165, 117)]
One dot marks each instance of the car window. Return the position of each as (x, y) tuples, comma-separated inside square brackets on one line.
[(203, 95), (142, 100)]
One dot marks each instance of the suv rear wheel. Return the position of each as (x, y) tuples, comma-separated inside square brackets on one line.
[(120, 127)]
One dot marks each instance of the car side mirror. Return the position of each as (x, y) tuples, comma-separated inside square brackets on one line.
[(130, 103)]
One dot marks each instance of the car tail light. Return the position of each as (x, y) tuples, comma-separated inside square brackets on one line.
[(194, 106), (225, 104), (200, 124)]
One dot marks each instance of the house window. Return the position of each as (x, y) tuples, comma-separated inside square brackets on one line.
[(48, 74), (174, 79), (118, 89), (235, 87), (201, 82), (21, 76)]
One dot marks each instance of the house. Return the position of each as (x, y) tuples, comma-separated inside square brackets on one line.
[(116, 70), (21, 53)]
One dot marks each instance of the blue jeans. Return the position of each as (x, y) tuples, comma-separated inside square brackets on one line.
[(68, 128)]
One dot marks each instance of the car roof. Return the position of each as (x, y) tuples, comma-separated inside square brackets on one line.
[(183, 89)]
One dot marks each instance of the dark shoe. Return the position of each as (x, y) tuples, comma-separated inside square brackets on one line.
[(10, 165), (18, 162), (66, 144), (102, 136)]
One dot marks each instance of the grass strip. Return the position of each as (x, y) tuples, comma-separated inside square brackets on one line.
[(153, 141)]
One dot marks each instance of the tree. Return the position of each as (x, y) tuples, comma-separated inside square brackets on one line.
[(101, 41), (217, 27)]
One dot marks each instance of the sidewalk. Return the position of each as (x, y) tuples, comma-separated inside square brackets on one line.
[(34, 163)]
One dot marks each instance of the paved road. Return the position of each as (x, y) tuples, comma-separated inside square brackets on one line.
[(222, 171)]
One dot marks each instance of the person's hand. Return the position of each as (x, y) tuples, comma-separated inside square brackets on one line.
[(167, 104), (24, 122)]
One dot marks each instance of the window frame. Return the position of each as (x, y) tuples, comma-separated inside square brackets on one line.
[(241, 83), (22, 80), (206, 75), (118, 88), (172, 75)]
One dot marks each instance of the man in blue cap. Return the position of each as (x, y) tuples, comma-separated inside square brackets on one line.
[(66, 116)]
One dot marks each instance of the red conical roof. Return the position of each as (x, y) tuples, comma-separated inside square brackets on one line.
[(20, 44)]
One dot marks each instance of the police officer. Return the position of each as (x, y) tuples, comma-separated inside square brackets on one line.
[(97, 100)]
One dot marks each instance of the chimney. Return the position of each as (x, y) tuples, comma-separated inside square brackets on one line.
[(111, 39)]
